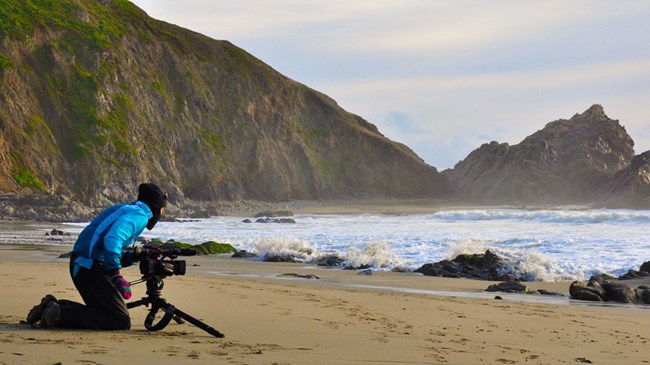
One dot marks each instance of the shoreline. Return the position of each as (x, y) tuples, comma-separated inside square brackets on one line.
[(341, 318), (53, 212)]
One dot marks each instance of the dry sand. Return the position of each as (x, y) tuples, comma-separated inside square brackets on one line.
[(340, 318)]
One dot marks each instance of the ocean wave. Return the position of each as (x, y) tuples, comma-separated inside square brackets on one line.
[(298, 249), (544, 244), (376, 255), (521, 262), (534, 266), (578, 216)]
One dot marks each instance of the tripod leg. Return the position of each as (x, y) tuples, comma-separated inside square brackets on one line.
[(178, 319), (137, 303), (198, 323)]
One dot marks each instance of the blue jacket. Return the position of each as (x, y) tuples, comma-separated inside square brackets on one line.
[(105, 238)]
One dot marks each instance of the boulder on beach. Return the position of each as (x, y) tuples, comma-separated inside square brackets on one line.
[(514, 286), (486, 266), (508, 287), (600, 290)]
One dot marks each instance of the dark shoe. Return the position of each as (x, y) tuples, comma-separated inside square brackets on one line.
[(36, 312), (51, 316)]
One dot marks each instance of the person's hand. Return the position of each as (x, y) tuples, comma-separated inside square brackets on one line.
[(148, 251), (121, 284)]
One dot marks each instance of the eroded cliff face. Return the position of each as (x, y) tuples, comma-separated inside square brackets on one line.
[(630, 187), (96, 97), (569, 161)]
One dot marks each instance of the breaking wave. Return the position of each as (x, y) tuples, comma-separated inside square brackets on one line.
[(542, 244)]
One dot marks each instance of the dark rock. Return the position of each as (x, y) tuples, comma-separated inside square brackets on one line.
[(269, 220), (596, 287), (330, 261), (361, 267), (643, 295), (602, 278), (247, 221), (579, 290), (57, 232), (243, 254), (587, 296), (508, 287), (302, 276), (277, 258), (621, 293), (610, 292), (365, 272), (498, 297), (633, 274), (645, 267), (274, 213), (479, 266), (546, 292)]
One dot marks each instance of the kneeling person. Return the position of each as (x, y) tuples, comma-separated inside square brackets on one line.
[(97, 257)]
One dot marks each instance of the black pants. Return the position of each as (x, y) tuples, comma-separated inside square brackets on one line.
[(105, 309)]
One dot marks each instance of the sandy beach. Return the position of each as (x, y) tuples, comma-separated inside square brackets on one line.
[(340, 317)]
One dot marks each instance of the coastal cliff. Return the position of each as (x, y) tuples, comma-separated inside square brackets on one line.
[(587, 159), (98, 97)]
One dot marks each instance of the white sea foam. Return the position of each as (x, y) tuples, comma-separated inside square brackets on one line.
[(466, 246), (298, 249), (377, 255), (543, 244), (535, 266)]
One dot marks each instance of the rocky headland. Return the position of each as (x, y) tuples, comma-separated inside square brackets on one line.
[(587, 159)]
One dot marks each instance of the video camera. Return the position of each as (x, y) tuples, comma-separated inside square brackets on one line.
[(155, 261)]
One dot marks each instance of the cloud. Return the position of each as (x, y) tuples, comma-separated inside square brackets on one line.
[(444, 77), (462, 112)]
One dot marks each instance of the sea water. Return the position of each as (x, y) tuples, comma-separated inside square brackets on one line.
[(542, 245)]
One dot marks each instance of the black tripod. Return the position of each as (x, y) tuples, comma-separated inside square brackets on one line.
[(154, 286)]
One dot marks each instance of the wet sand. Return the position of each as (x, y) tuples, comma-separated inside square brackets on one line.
[(340, 318)]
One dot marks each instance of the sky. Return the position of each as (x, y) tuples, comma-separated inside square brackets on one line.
[(444, 77)]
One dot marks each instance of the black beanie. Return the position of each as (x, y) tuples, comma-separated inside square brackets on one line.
[(152, 195)]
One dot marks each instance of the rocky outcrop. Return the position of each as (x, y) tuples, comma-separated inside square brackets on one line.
[(99, 97), (517, 287), (486, 266), (599, 290), (630, 187), (568, 161)]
